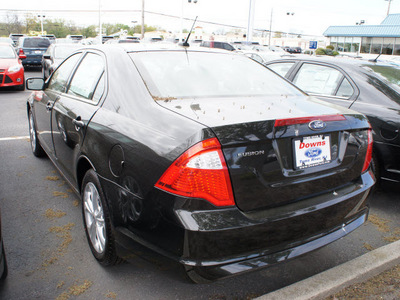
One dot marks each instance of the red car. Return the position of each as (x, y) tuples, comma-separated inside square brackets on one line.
[(11, 69)]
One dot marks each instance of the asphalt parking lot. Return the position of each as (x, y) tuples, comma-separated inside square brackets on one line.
[(49, 258)]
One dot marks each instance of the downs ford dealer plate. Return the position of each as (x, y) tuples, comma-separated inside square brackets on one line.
[(312, 151)]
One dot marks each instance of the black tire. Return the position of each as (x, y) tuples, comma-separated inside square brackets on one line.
[(96, 221), (37, 149), (5, 270)]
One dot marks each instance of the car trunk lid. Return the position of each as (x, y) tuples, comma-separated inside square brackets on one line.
[(282, 150)]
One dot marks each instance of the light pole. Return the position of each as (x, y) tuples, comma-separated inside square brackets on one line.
[(41, 17), (388, 11), (289, 14)]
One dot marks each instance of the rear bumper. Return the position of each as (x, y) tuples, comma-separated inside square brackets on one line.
[(212, 244), (216, 244), (255, 261)]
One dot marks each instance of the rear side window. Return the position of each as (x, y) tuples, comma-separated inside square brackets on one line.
[(317, 79), (87, 77)]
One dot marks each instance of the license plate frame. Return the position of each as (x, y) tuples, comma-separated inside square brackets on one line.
[(312, 151)]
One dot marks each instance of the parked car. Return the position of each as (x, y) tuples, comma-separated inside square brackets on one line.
[(15, 37), (202, 155), (6, 40), (3, 260), (265, 56), (11, 69), (372, 88), (122, 41), (51, 37), (220, 45), (54, 55), (33, 48)]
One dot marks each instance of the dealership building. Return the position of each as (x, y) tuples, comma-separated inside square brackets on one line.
[(368, 39)]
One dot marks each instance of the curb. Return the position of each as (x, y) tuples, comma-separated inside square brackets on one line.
[(331, 281)]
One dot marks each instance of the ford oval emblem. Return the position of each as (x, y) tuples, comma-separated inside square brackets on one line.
[(313, 152), (317, 125)]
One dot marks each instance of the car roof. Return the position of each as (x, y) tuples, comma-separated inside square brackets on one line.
[(147, 47), (343, 61)]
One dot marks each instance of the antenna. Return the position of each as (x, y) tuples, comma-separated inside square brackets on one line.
[(185, 43), (380, 53)]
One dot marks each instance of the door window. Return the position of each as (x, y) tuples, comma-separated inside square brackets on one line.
[(87, 76), (281, 68), (321, 80), (59, 80)]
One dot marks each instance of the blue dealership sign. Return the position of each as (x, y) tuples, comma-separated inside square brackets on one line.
[(313, 44)]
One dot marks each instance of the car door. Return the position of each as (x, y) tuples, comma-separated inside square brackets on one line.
[(74, 109), (45, 101), (324, 81)]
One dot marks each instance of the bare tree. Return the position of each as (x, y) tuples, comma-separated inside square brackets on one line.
[(13, 24)]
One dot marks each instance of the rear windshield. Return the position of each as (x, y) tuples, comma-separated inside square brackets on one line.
[(179, 74), (389, 73), (36, 43), (7, 52)]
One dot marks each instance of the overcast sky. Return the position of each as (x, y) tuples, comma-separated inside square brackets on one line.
[(307, 17)]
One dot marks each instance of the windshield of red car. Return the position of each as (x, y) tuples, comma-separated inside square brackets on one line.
[(7, 52), (180, 74)]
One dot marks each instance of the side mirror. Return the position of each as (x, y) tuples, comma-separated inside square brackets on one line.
[(46, 56), (35, 84)]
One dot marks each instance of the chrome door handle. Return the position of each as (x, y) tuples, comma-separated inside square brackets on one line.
[(78, 122)]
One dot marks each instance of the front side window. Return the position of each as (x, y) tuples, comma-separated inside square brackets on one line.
[(317, 79), (87, 76), (59, 79)]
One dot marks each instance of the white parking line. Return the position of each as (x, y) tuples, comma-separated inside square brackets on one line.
[(14, 138)]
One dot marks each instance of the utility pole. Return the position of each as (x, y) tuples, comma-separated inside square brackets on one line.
[(270, 28), (250, 23), (388, 11), (100, 27)]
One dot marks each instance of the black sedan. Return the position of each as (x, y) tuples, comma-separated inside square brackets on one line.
[(372, 88), (202, 155), (54, 55)]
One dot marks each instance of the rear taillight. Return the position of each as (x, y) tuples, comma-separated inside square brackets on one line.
[(368, 156), (200, 172), (21, 52)]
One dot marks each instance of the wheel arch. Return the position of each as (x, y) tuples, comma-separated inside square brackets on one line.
[(84, 164)]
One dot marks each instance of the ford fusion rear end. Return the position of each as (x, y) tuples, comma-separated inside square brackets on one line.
[(284, 174)]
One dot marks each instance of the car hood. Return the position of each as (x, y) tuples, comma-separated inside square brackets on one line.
[(7, 62), (214, 112)]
